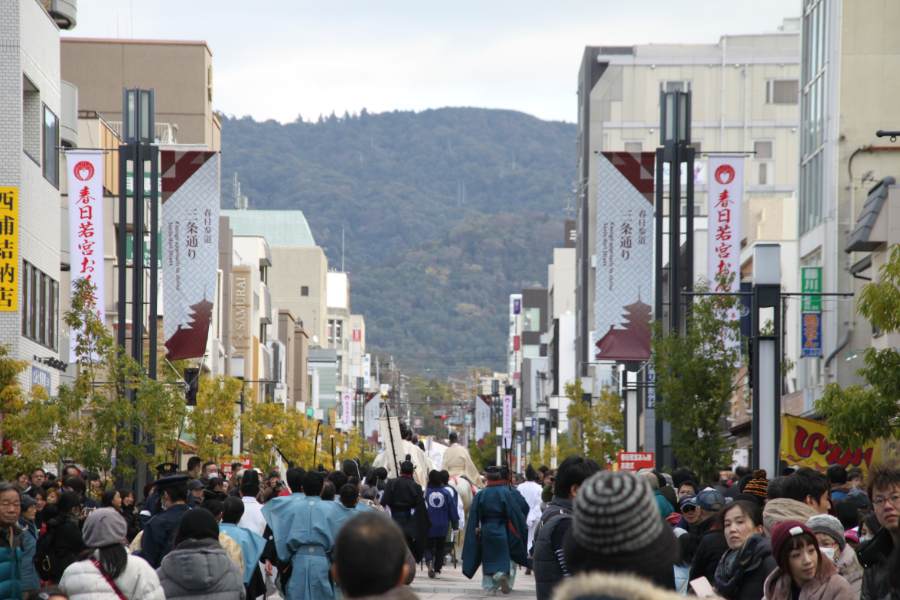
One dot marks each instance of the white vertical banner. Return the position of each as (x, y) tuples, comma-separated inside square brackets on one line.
[(371, 414), (507, 421), (482, 419), (347, 411), (85, 180), (726, 199)]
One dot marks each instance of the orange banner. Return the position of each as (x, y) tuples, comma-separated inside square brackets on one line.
[(807, 443)]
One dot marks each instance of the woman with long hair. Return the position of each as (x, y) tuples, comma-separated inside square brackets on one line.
[(743, 569), (105, 570)]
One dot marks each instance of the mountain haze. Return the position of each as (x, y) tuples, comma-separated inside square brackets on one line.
[(445, 213)]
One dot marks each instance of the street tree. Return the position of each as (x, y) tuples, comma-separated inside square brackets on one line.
[(696, 379), (858, 414), (598, 426), (26, 422), (213, 420), (97, 418)]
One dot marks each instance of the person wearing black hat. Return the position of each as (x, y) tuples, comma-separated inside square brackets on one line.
[(710, 539), (406, 500), (496, 533), (253, 518), (158, 537)]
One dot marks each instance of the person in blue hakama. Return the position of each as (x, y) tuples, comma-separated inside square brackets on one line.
[(252, 544), (496, 534), (304, 532)]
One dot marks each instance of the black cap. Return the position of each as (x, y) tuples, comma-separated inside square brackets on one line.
[(168, 468), (407, 467), (170, 480), (492, 470)]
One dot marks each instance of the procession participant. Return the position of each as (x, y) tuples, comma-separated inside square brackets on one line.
[(496, 534), (406, 500), (303, 531), (159, 533), (458, 462), (252, 544)]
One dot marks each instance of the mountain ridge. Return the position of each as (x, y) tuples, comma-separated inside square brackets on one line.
[(445, 212)]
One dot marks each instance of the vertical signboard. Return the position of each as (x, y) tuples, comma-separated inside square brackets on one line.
[(367, 371), (347, 411), (811, 313), (371, 413), (241, 307), (507, 421), (726, 194), (85, 180), (482, 418), (624, 282), (190, 254), (9, 249)]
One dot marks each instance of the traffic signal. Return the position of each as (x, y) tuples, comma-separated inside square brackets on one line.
[(191, 385)]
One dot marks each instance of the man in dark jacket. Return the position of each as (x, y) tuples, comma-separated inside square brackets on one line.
[(708, 537), (159, 533), (406, 500), (548, 562), (881, 556)]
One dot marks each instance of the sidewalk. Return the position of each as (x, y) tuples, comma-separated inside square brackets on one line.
[(451, 584)]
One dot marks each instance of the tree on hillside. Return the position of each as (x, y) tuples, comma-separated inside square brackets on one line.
[(858, 414), (695, 380)]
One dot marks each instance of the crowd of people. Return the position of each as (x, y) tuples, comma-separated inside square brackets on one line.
[(356, 531)]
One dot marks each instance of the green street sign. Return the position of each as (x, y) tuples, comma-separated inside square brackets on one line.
[(811, 279)]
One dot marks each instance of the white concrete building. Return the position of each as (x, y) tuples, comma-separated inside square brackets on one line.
[(849, 90), (33, 100)]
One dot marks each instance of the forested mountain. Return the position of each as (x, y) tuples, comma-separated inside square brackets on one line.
[(446, 212)]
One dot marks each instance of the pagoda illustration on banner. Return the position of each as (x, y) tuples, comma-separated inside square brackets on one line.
[(190, 341), (631, 342)]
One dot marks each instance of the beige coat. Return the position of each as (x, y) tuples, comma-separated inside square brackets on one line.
[(232, 548), (458, 462), (827, 585), (785, 509)]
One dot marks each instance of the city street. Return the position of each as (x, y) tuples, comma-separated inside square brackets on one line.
[(452, 585)]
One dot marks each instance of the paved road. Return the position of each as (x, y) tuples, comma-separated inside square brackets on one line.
[(451, 584)]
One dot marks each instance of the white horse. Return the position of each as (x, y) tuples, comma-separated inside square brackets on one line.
[(466, 490)]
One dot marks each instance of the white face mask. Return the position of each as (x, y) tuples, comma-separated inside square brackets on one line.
[(829, 553), (864, 539)]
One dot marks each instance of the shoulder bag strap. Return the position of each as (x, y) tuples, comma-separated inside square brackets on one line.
[(108, 579)]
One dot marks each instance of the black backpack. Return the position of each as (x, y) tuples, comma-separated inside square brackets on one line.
[(44, 557)]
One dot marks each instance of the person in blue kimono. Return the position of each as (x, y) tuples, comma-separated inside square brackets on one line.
[(496, 534), (304, 532), (252, 544), (443, 515)]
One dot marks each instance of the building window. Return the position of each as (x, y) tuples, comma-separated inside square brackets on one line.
[(40, 307), (50, 156), (782, 91), (633, 147), (675, 86), (762, 150), (31, 120), (304, 290), (339, 331)]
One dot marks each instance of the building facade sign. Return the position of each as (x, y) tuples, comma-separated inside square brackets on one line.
[(241, 308), (9, 249)]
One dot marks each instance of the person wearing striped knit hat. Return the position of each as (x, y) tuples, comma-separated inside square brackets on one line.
[(758, 485), (616, 528)]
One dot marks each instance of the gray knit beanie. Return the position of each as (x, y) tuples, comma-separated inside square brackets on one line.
[(829, 526), (615, 512), (104, 527)]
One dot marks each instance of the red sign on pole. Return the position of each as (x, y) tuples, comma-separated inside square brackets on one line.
[(635, 461)]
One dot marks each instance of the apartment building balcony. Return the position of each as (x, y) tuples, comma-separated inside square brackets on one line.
[(68, 118)]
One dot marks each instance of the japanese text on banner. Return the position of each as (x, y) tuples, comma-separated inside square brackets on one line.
[(9, 249)]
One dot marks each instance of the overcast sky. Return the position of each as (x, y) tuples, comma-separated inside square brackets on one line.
[(280, 59)]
